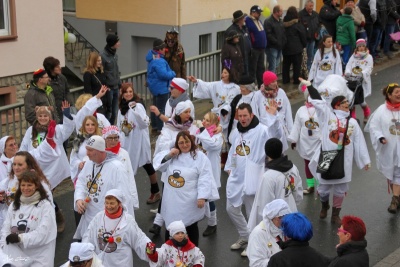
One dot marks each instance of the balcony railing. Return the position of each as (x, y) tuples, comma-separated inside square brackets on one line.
[(205, 66)]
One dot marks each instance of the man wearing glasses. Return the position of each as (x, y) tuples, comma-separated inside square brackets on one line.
[(39, 94)]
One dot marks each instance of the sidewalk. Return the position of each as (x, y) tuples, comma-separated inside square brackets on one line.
[(392, 260)]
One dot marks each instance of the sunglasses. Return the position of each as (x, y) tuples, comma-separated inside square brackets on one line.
[(391, 85), (340, 230), (113, 138)]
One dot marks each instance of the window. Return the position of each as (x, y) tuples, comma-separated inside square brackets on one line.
[(8, 26), (204, 43), (69, 5), (220, 39)]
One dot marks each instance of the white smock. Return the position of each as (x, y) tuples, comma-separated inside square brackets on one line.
[(322, 67)]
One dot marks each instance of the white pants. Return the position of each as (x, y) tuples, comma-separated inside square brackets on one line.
[(237, 217), (339, 190)]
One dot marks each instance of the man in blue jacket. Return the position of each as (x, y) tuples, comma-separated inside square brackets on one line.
[(159, 76), (258, 40)]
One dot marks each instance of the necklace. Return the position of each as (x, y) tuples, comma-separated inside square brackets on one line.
[(110, 239), (310, 124), (93, 181)]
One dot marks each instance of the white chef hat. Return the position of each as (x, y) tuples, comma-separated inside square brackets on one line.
[(179, 84), (80, 252), (118, 194), (3, 141), (276, 208), (96, 142), (110, 130), (176, 227), (181, 107)]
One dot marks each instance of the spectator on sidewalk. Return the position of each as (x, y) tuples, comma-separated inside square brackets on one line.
[(359, 19), (238, 24), (309, 18), (368, 9), (393, 17), (109, 60), (231, 56), (258, 41), (159, 76), (174, 53), (345, 34), (293, 50), (58, 83), (328, 16), (276, 38), (378, 28)]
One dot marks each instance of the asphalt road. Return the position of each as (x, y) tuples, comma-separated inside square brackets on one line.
[(367, 198)]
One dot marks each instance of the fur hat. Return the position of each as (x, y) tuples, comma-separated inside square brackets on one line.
[(39, 73), (44, 110), (273, 148), (238, 15), (269, 77), (231, 35), (112, 39), (247, 82), (176, 227), (96, 142), (159, 44), (179, 84)]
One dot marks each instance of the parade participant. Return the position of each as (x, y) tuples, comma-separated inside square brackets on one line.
[(30, 223), (115, 233), (82, 254), (87, 105), (245, 166), (305, 137), (384, 132), (360, 66), (178, 88), (111, 135), (326, 61), (22, 162), (103, 172), (247, 90), (352, 245), (281, 181), (8, 148), (296, 251), (174, 53), (177, 251), (182, 121), (338, 131), (133, 121), (267, 232), (269, 92), (211, 145), (188, 184)]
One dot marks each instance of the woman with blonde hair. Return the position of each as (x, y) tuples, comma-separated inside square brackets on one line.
[(94, 79)]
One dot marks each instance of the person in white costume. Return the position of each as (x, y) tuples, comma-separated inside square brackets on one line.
[(111, 135), (86, 104), (281, 181), (23, 161), (263, 240), (177, 251), (35, 135), (268, 92), (188, 184), (245, 165), (133, 122), (221, 93), (305, 137), (326, 61), (383, 127), (211, 144), (360, 65), (8, 148), (178, 88), (333, 121), (182, 121), (30, 223), (103, 172), (82, 254), (115, 233)]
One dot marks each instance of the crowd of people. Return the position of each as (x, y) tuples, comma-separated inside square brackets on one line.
[(246, 134)]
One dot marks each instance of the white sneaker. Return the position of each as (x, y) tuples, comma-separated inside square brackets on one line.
[(155, 211), (244, 253), (239, 244)]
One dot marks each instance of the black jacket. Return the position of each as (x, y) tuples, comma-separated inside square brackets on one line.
[(299, 254), (351, 254), (393, 16), (364, 5), (244, 41), (296, 33), (382, 14), (232, 52), (310, 23), (327, 16), (275, 31), (61, 92)]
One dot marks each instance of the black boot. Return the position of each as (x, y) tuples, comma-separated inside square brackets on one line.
[(335, 216), (155, 229), (324, 209), (210, 230)]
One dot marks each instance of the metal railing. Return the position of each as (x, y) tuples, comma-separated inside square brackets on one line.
[(205, 66)]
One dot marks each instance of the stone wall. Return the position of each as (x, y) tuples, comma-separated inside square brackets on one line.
[(19, 81)]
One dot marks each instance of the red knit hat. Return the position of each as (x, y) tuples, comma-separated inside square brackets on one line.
[(355, 226), (269, 77)]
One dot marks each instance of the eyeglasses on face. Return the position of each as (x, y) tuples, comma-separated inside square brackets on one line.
[(111, 138), (344, 102)]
